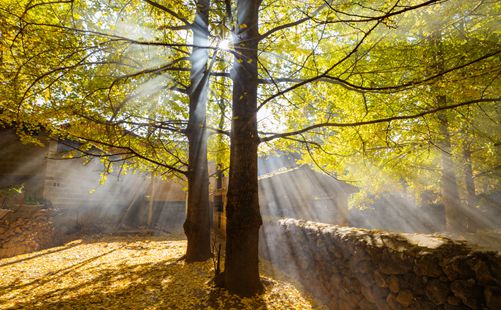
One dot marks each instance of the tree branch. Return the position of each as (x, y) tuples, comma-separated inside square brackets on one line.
[(292, 24), (133, 152), (364, 19), (168, 11), (374, 121), (326, 72)]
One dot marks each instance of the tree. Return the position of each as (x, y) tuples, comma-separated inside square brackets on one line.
[(103, 108), (197, 225), (241, 274), (333, 75), (342, 65)]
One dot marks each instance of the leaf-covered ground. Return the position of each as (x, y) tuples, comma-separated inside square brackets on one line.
[(125, 273)]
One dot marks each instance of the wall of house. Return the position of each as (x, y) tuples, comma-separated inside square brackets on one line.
[(279, 199), (297, 192), (303, 193), (350, 268), (21, 165), (166, 205), (72, 186), (169, 216), (75, 183), (167, 190)]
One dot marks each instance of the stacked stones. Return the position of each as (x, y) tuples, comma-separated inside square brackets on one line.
[(25, 230), (350, 268)]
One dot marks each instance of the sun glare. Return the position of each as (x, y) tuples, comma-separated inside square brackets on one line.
[(224, 44)]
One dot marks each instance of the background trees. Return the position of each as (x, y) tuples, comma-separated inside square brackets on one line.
[(410, 149)]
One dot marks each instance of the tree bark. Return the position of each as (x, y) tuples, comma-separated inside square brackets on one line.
[(218, 195), (197, 224), (241, 273), (219, 190), (454, 217), (468, 178), (149, 219), (470, 196)]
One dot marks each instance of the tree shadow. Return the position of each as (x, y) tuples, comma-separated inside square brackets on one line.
[(222, 299), (72, 241), (165, 284), (39, 253), (79, 239), (54, 275)]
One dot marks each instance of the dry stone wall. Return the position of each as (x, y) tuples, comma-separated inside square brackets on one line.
[(25, 230), (350, 268)]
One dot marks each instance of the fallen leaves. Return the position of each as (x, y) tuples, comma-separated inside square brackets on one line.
[(125, 273)]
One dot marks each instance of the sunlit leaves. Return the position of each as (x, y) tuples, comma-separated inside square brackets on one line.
[(103, 70), (402, 50), (112, 68)]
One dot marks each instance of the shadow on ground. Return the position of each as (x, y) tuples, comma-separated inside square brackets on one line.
[(144, 273)]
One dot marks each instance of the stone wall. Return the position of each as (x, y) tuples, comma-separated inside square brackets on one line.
[(350, 268), (27, 229)]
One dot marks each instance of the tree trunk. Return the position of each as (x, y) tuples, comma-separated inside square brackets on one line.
[(219, 190), (454, 217), (470, 196), (241, 273), (468, 178), (218, 195), (150, 203), (197, 224)]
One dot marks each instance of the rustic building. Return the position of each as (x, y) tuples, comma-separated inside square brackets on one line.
[(38, 175), (295, 192), (304, 193)]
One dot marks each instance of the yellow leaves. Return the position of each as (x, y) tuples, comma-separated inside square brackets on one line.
[(125, 273), (222, 31), (67, 87), (242, 26), (240, 60), (46, 94), (102, 178)]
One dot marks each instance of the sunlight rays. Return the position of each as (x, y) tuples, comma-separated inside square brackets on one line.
[(225, 44)]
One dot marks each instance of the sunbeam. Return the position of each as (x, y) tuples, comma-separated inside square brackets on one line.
[(225, 44)]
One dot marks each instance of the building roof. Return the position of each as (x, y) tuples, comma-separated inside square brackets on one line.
[(305, 175)]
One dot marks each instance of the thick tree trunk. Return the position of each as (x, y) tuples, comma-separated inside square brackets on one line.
[(197, 224), (241, 273), (454, 217)]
